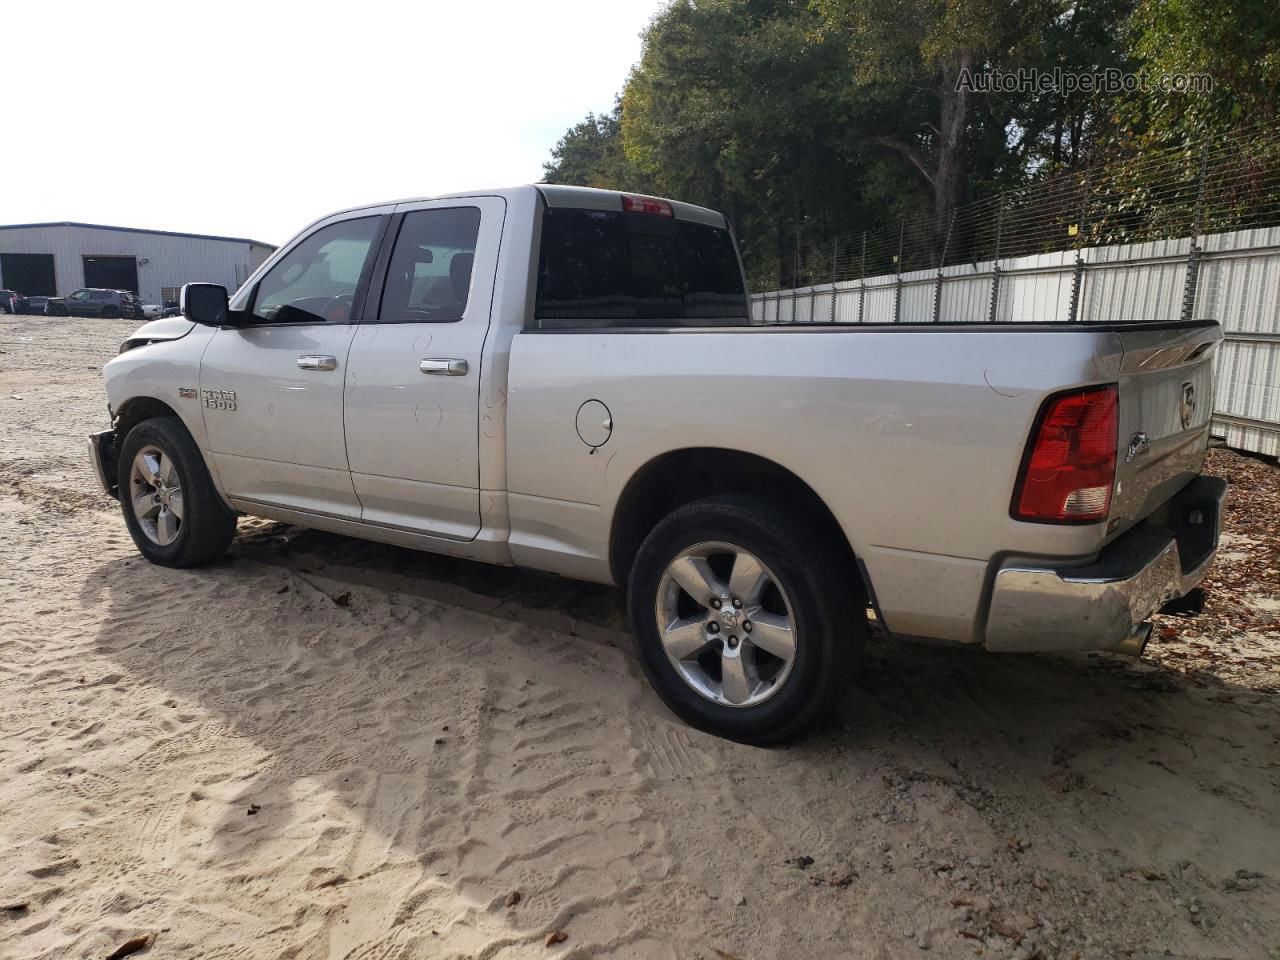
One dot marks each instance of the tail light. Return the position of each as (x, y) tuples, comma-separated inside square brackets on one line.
[(636, 204), (1069, 470)]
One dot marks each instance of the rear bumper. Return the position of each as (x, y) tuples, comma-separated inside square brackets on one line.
[(1106, 603), (102, 455)]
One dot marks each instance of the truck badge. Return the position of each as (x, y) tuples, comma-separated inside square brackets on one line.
[(219, 399), (1188, 404), (1139, 444), (187, 393)]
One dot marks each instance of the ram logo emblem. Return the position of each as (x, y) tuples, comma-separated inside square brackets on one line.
[(1188, 404), (1139, 444)]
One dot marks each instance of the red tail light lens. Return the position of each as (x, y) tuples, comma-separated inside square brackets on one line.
[(637, 204), (1070, 469)]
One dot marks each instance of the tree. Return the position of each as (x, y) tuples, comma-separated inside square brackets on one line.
[(1235, 42), (734, 104), (913, 84), (808, 121), (590, 154)]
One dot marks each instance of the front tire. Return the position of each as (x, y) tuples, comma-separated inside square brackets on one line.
[(746, 617), (173, 513)]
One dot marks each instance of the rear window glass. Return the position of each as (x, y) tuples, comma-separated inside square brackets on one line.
[(609, 268), (429, 278)]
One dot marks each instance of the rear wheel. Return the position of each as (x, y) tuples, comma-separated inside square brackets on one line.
[(745, 621), (172, 511), (110, 313)]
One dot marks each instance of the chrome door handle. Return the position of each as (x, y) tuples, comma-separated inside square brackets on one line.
[(317, 363), (444, 368)]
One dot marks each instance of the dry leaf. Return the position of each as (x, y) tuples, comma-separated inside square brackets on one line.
[(132, 945), (557, 936), (513, 898)]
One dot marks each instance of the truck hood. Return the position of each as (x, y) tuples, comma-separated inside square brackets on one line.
[(166, 328)]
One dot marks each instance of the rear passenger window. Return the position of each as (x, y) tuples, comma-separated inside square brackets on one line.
[(607, 268), (429, 278)]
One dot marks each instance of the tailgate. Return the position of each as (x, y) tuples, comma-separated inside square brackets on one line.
[(1166, 401)]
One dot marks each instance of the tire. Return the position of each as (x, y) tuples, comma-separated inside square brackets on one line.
[(110, 313), (204, 526), (760, 697)]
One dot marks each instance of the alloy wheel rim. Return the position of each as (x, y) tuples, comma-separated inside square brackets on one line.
[(155, 492), (726, 624)]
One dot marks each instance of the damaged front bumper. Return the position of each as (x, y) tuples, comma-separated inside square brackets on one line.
[(1105, 604), (102, 454)]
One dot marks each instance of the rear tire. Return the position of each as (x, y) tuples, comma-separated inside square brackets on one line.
[(170, 506), (761, 680), (110, 313)]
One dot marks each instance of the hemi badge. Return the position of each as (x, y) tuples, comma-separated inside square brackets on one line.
[(187, 393)]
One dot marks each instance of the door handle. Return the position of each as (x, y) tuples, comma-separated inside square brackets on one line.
[(317, 363), (444, 368)]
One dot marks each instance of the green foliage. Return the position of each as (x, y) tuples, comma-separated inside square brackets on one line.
[(590, 155), (733, 104), (1236, 42), (812, 120)]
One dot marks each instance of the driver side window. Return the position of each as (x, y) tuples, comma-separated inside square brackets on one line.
[(429, 277), (316, 281)]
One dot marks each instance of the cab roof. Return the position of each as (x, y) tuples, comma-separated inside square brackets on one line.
[(582, 198)]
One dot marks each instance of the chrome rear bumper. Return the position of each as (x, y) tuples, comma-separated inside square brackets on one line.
[(102, 456), (1106, 604)]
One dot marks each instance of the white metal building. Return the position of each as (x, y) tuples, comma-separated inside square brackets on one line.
[(54, 259)]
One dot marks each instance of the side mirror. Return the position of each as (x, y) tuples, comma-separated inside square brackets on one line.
[(204, 303)]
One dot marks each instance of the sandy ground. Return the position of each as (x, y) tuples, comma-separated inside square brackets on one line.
[(326, 748)]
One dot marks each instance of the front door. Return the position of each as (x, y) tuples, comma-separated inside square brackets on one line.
[(272, 389), (413, 376)]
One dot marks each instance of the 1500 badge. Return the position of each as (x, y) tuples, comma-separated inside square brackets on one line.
[(219, 399)]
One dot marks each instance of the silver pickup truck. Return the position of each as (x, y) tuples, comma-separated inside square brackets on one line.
[(567, 379)]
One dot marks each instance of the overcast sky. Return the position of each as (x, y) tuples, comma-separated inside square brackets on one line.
[(254, 118)]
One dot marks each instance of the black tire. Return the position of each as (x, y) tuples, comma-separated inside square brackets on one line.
[(812, 570), (206, 527), (110, 313)]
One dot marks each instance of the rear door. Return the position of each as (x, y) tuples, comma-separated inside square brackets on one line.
[(1165, 405), (413, 377), (272, 389)]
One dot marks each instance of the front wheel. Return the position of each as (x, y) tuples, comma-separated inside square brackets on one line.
[(745, 620), (172, 511)]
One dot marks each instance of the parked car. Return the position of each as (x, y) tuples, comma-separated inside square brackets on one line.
[(34, 305), (96, 302), (601, 407), (10, 301), (151, 311)]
